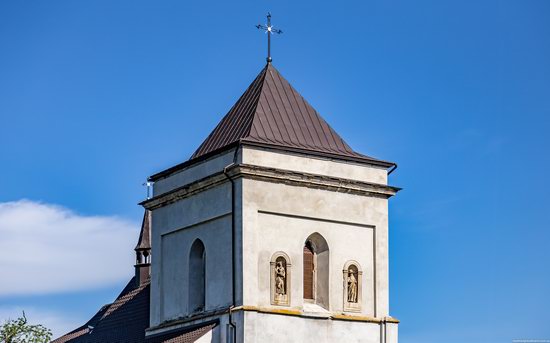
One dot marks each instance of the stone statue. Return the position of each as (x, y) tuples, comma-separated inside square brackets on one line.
[(280, 278), (352, 286)]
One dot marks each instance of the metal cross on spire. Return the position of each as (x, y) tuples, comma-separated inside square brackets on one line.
[(269, 30)]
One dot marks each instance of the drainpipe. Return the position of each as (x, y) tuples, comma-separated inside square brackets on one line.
[(383, 327), (384, 330), (233, 249)]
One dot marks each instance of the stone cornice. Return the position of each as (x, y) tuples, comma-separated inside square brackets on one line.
[(283, 311), (184, 191), (299, 313), (200, 318), (275, 175), (310, 180)]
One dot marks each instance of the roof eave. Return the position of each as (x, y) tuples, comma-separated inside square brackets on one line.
[(357, 159), (191, 161), (236, 144)]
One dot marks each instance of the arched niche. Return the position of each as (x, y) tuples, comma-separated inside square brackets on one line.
[(352, 284), (316, 271), (197, 275), (280, 279)]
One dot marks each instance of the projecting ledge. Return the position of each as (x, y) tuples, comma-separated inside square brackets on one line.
[(315, 315)]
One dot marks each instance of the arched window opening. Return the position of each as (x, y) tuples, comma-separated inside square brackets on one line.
[(316, 270), (146, 257), (197, 266), (309, 270)]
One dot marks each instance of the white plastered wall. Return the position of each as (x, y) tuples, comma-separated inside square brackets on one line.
[(207, 216), (271, 217), (314, 165), (266, 328), (279, 217)]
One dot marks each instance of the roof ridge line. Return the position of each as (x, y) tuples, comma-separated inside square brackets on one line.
[(231, 133), (262, 83), (242, 106)]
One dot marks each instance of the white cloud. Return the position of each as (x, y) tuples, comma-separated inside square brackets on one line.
[(47, 248), (56, 322)]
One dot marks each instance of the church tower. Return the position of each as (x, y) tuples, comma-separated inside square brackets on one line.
[(143, 251), (275, 230)]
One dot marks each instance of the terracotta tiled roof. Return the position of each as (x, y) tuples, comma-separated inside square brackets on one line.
[(72, 336), (125, 321), (271, 112)]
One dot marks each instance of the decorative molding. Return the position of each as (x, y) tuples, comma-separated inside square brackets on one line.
[(317, 219), (310, 180), (184, 191), (368, 319), (202, 222), (299, 313), (285, 312), (207, 317), (274, 175), (271, 147), (150, 335), (181, 322), (391, 320)]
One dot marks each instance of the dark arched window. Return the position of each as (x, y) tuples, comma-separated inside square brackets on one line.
[(316, 270), (308, 271), (197, 266)]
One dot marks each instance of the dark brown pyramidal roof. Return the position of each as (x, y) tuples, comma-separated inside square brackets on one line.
[(272, 113)]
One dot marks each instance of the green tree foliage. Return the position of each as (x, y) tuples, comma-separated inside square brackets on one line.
[(20, 331)]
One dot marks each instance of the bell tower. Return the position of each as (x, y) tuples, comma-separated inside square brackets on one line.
[(275, 230), (143, 251)]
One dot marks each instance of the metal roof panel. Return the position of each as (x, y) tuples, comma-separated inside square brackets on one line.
[(272, 112)]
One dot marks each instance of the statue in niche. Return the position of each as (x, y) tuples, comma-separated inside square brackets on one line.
[(352, 284), (280, 276), (280, 279)]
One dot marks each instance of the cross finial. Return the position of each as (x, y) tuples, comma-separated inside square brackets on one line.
[(269, 30)]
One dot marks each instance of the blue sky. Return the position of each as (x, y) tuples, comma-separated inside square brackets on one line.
[(97, 95)]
